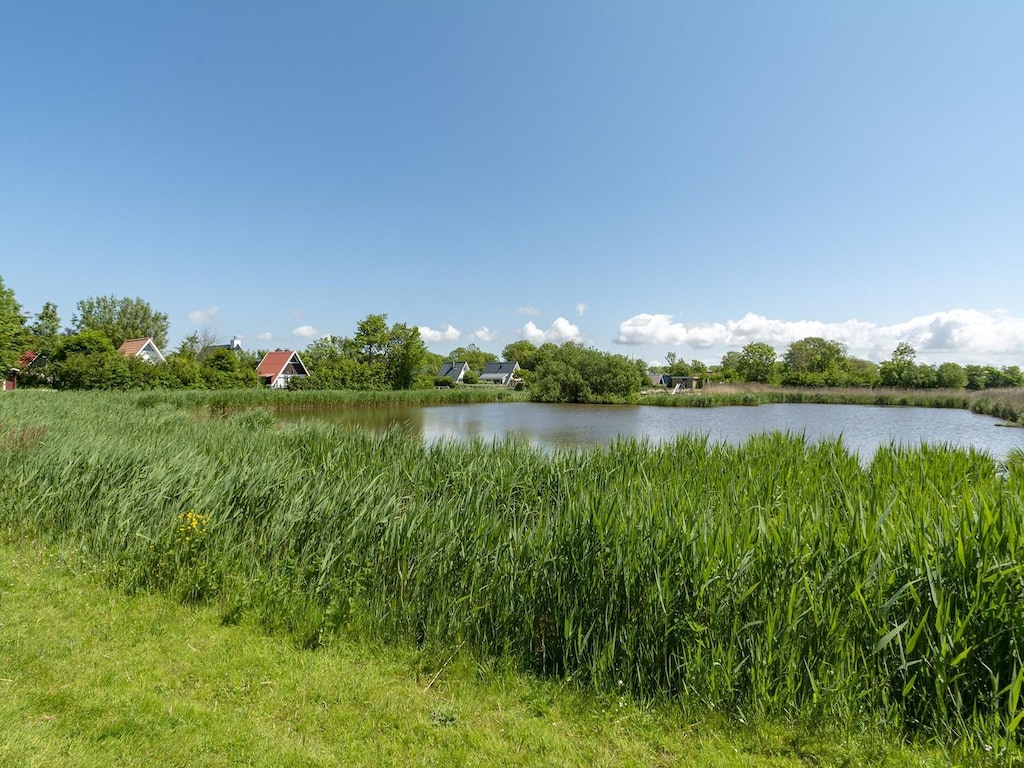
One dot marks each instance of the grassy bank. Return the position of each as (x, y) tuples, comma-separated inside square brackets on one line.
[(777, 579), (96, 678), (1002, 403)]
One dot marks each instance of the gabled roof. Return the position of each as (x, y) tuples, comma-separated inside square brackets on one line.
[(144, 348), (273, 364), (454, 369)]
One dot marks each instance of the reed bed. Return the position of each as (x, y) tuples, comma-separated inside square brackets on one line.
[(229, 401), (778, 577), (1005, 404)]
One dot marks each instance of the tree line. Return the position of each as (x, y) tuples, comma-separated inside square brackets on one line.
[(818, 362), (380, 355)]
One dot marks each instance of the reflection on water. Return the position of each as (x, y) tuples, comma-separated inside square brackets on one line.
[(862, 427)]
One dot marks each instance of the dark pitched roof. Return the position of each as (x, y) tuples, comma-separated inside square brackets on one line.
[(453, 369), (500, 369)]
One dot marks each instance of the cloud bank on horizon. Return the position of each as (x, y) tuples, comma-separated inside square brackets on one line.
[(958, 335), (967, 335)]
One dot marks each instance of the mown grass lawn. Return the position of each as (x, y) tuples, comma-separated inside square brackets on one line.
[(92, 677)]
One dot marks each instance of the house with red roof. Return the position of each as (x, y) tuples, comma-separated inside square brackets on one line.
[(277, 368), (144, 349), (10, 380)]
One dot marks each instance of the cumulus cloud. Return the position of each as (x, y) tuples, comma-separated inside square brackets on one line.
[(446, 333), (484, 334), (265, 336), (305, 332), (530, 311), (560, 331), (203, 316), (581, 308), (963, 334)]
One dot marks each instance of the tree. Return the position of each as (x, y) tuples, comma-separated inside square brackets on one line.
[(121, 319), (189, 347), (861, 373), (756, 362), (729, 368), (1011, 376), (899, 370), (45, 331), (12, 330), (523, 352), (578, 374), (378, 357), (814, 361), (951, 376), (405, 354), (89, 342), (473, 355), (372, 335), (977, 376)]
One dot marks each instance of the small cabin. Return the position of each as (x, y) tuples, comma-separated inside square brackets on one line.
[(277, 368), (678, 383), (144, 349)]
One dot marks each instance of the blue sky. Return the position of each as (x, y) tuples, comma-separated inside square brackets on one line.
[(642, 177)]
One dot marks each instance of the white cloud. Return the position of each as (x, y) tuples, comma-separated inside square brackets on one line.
[(966, 335), (530, 311), (446, 333), (560, 331), (484, 334), (265, 336), (581, 308), (305, 332), (203, 316)]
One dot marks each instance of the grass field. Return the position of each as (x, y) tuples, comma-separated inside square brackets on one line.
[(777, 581), (92, 677)]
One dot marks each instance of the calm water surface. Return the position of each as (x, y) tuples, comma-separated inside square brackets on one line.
[(862, 427)]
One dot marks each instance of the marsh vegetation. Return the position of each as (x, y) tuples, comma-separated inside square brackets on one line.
[(773, 578)]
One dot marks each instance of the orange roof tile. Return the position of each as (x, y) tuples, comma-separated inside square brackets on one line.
[(132, 347)]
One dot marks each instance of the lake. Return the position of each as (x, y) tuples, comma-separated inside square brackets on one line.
[(862, 427)]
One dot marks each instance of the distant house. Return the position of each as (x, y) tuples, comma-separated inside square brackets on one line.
[(144, 349), (655, 378), (234, 346), (276, 369), (503, 373), (678, 383), (454, 370), (10, 380)]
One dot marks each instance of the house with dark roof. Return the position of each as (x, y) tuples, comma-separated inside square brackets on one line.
[(234, 346), (144, 349), (503, 373), (454, 370), (681, 383), (277, 368)]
